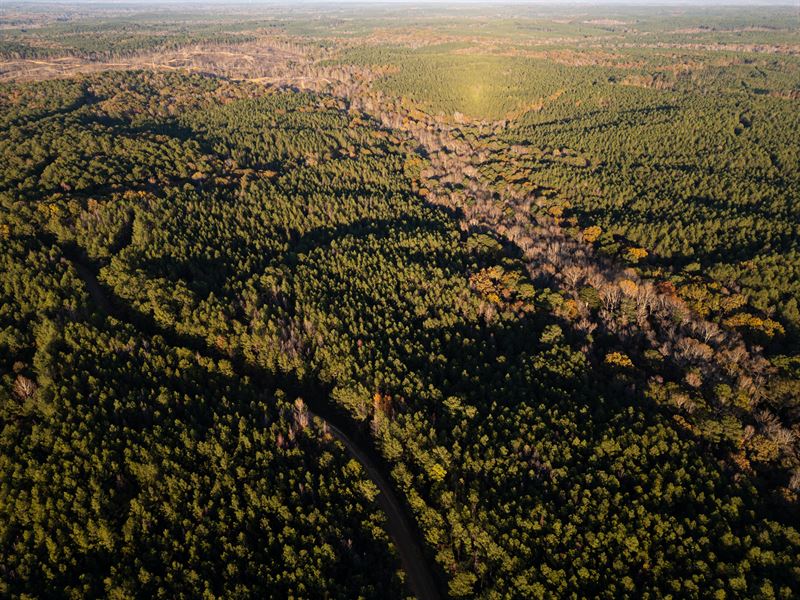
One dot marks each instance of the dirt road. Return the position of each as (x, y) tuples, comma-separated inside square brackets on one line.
[(419, 575), (418, 572)]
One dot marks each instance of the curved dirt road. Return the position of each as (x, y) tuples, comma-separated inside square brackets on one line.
[(419, 575), (420, 579)]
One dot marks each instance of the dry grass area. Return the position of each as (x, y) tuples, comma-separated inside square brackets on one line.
[(264, 59)]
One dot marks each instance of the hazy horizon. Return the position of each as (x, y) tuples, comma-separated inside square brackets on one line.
[(283, 3)]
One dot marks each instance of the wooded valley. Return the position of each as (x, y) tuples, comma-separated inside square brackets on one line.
[(330, 304)]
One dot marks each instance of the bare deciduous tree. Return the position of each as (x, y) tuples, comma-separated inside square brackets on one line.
[(24, 388)]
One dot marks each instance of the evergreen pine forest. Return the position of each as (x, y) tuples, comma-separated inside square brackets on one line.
[(399, 301)]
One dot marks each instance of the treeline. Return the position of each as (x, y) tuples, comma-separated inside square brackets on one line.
[(108, 45)]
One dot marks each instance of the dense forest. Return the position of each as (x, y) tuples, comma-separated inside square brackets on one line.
[(693, 162), (135, 461), (550, 291)]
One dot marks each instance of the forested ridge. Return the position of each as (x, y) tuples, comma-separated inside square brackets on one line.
[(564, 338)]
